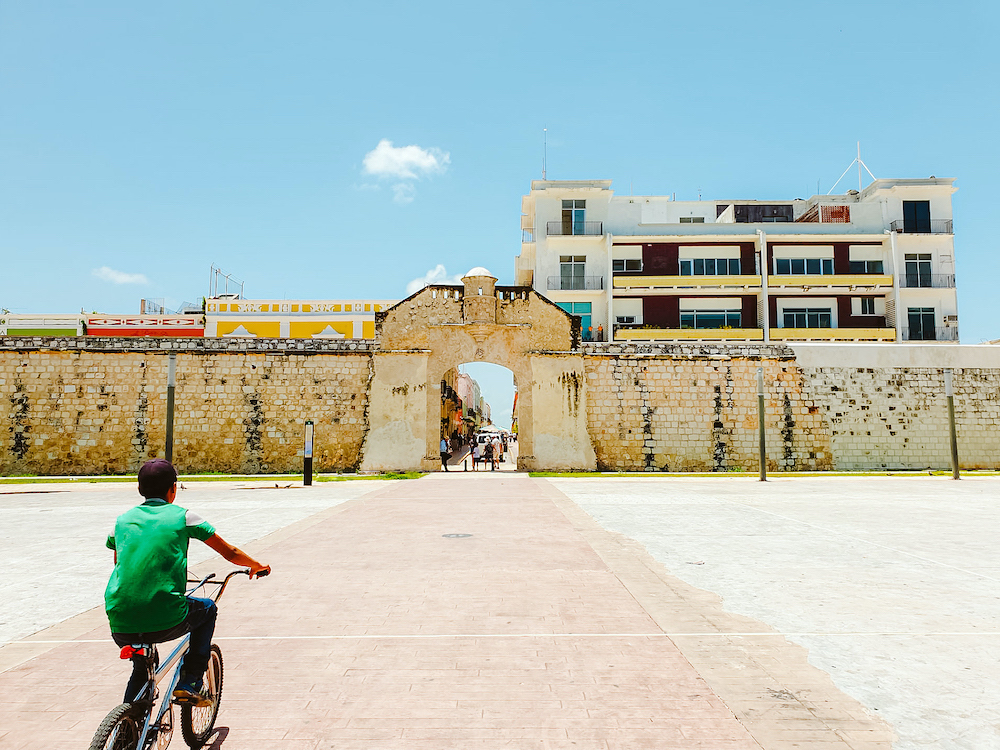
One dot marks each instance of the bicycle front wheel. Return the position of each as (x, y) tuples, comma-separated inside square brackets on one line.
[(197, 723), (119, 730)]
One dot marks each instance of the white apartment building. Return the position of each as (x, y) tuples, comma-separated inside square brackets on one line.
[(874, 265)]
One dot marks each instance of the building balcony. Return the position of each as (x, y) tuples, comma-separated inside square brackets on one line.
[(684, 282), (574, 229), (575, 283), (527, 235), (832, 280), (689, 334), (927, 280), (934, 226), (930, 334), (833, 334)]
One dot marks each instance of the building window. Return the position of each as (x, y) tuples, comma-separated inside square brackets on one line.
[(692, 220), (711, 319), (625, 320), (626, 265), (758, 212), (918, 269), (803, 266), (571, 271), (921, 322), (582, 311), (710, 267), (573, 217), (807, 318), (866, 266), (917, 216), (867, 305)]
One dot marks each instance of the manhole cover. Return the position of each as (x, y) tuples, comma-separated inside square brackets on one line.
[(455, 536)]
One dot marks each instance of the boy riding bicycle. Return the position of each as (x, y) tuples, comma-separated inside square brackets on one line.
[(145, 598)]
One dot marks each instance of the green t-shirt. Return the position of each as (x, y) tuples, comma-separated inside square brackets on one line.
[(146, 592)]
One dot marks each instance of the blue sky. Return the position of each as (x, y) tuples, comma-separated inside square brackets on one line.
[(151, 140)]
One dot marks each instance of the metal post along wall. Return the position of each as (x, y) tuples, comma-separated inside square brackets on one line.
[(171, 378), (949, 392), (307, 455), (760, 424)]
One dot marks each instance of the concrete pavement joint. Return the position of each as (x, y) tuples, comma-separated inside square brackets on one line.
[(425, 636)]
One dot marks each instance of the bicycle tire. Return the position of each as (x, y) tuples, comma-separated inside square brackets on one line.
[(197, 723), (119, 730)]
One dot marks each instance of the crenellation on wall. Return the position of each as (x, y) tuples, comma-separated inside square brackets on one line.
[(702, 351)]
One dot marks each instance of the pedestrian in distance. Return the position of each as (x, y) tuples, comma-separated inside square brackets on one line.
[(497, 452), (146, 597), (445, 453), (488, 454), (477, 454)]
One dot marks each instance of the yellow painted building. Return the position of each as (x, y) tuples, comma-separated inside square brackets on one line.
[(230, 317)]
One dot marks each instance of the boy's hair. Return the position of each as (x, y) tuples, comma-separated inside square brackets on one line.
[(156, 477)]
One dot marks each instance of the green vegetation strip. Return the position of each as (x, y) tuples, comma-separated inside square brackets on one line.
[(215, 478), (749, 475)]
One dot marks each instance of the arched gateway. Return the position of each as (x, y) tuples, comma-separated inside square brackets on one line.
[(440, 327)]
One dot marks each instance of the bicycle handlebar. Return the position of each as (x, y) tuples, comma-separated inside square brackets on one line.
[(223, 583)]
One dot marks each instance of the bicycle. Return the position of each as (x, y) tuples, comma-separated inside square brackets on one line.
[(135, 725)]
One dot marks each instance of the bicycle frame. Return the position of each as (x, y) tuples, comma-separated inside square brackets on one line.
[(157, 674)]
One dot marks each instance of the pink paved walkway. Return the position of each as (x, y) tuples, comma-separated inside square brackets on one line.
[(377, 631)]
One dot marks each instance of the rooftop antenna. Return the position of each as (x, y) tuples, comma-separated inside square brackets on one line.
[(860, 164), (545, 150), (217, 273)]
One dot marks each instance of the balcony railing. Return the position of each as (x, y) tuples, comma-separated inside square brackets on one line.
[(654, 282), (575, 229), (935, 226), (833, 334), (588, 283), (930, 334), (927, 280), (839, 279), (689, 334)]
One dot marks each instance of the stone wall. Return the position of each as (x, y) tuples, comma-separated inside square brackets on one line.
[(694, 408), (885, 406), (92, 405), (74, 406)]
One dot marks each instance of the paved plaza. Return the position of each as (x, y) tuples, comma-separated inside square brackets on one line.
[(605, 613)]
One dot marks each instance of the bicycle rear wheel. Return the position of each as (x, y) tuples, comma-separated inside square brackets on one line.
[(197, 723), (119, 730)]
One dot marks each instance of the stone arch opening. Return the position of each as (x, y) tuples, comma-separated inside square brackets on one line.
[(443, 326)]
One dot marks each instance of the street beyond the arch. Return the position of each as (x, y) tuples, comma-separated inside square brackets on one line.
[(493, 609)]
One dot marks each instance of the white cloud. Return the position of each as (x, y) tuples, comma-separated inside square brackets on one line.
[(404, 166), (437, 275), (119, 277), (405, 162)]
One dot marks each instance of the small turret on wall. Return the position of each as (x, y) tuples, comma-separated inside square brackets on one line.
[(479, 304)]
